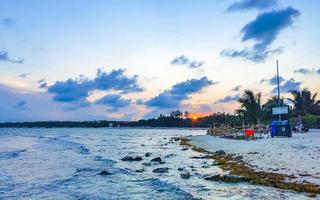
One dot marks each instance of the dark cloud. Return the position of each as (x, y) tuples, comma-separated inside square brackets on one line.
[(307, 71), (73, 90), (263, 31), (42, 83), (8, 21), (228, 99), (273, 80), (173, 97), (303, 71), (236, 89), (183, 60), (115, 101), (253, 4), (4, 56), (24, 75), (21, 105), (290, 84)]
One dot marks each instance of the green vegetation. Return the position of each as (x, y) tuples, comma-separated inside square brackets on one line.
[(251, 112)]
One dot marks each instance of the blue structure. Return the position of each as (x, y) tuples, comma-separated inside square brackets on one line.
[(281, 128)]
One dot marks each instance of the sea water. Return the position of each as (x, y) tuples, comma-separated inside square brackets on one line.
[(64, 163)]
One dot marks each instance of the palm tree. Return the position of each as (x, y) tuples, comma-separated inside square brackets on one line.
[(272, 102), (251, 108), (304, 102)]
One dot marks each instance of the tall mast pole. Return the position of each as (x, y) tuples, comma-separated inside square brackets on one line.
[(278, 83)]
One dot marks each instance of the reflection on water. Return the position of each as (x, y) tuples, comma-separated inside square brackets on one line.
[(65, 164)]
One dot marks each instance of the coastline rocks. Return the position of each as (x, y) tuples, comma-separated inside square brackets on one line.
[(146, 164), (104, 173), (130, 158), (156, 159), (140, 170), (185, 175), (148, 154), (220, 153), (180, 169), (161, 170), (227, 178)]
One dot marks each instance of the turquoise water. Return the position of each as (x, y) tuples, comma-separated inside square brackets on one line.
[(64, 163)]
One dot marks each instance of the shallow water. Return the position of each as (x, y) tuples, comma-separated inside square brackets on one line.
[(64, 163)]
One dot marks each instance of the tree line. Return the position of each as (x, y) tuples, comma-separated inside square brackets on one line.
[(251, 111)]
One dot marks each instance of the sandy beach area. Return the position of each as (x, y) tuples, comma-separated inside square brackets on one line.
[(298, 156)]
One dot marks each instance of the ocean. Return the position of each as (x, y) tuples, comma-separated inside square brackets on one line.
[(64, 163)]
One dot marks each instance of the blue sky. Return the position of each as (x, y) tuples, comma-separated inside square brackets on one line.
[(126, 60)]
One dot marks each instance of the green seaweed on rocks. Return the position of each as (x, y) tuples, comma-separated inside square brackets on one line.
[(236, 166)]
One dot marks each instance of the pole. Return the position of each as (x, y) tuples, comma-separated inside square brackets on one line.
[(279, 102)]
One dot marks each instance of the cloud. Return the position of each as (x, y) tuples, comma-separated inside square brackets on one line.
[(38, 106), (236, 89), (290, 84), (42, 83), (183, 60), (307, 71), (228, 99), (273, 80), (253, 4), (7, 21), (24, 75), (263, 31), (114, 101), (4, 56), (21, 105), (173, 97), (73, 90)]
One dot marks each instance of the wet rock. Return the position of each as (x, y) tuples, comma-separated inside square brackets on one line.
[(185, 175), (170, 155), (161, 170), (226, 178), (238, 158), (253, 152), (201, 157), (220, 152), (146, 164), (156, 159), (130, 158), (148, 154), (180, 169), (140, 170), (104, 173), (162, 162)]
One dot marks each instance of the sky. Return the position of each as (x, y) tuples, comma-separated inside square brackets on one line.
[(134, 59)]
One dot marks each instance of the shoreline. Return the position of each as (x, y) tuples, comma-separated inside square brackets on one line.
[(242, 171)]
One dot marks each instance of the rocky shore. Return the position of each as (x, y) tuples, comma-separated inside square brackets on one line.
[(237, 170)]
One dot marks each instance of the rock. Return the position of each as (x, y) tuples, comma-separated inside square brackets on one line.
[(226, 178), (146, 164), (140, 170), (130, 158), (161, 170), (238, 158), (184, 149), (104, 173), (185, 175), (253, 152), (148, 154), (180, 169), (312, 195), (220, 152), (201, 157), (156, 159), (170, 155)]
